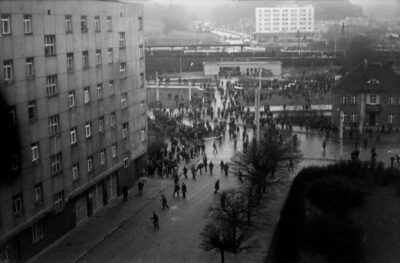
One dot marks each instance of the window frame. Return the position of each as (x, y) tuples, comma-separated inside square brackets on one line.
[(71, 99), (85, 59), (38, 193), (50, 45), (27, 24), (51, 85), (73, 136), (86, 95), (97, 24), (98, 58), (35, 155), (89, 164), (59, 203), (103, 157), (68, 24), (5, 19), (114, 150), (109, 23), (18, 204), (8, 70), (32, 110), (37, 231), (56, 163), (29, 67), (122, 39), (84, 24), (75, 172), (88, 130)]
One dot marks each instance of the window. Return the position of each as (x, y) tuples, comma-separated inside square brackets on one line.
[(97, 23), (32, 110), (353, 118), (68, 23), (126, 162), (88, 131), (86, 95), (112, 120), (111, 87), (51, 87), (122, 39), (89, 163), (143, 135), (8, 70), (85, 59), (50, 45), (59, 201), (122, 68), (142, 80), (124, 99), (392, 100), (18, 205), (99, 91), (37, 231), (29, 68), (109, 23), (70, 62), (141, 55), (372, 98), (6, 24), (71, 99), (343, 99), (72, 135), (140, 23), (98, 57), (54, 124), (38, 193), (102, 157), (353, 99), (114, 150), (101, 124), (124, 130), (84, 24), (110, 55), (390, 118), (75, 172), (27, 24), (35, 152), (55, 162)]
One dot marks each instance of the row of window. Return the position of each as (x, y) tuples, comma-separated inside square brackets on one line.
[(8, 65), (284, 10), (352, 118), (282, 28), (27, 23), (371, 99)]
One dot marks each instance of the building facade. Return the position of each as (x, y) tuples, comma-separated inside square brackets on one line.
[(270, 69), (72, 86), (284, 21), (369, 98)]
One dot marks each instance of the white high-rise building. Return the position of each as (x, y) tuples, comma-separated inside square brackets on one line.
[(284, 19)]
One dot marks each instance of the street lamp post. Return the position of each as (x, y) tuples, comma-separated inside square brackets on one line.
[(257, 107)]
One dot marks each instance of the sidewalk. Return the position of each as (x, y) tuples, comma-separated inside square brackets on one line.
[(82, 239)]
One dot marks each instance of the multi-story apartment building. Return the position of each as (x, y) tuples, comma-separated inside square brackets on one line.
[(369, 98), (73, 106), (284, 21)]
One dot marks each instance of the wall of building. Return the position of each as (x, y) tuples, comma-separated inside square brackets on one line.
[(124, 100)]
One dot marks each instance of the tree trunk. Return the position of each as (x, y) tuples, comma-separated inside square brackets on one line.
[(222, 255), (234, 235)]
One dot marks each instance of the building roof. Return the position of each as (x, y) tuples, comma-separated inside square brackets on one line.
[(370, 77), (241, 63)]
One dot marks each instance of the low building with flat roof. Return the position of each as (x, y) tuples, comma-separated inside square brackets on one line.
[(272, 69)]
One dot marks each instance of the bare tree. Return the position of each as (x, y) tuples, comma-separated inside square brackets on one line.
[(216, 236), (260, 162)]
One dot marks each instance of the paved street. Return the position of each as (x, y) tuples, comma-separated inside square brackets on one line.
[(124, 232)]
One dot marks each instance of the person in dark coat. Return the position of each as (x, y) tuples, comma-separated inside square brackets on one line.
[(124, 194), (184, 190), (211, 166), (176, 190), (155, 221), (185, 172), (140, 187), (164, 202), (216, 186)]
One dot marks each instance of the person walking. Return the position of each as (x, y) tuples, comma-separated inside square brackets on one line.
[(200, 167), (205, 163), (324, 144), (222, 166), (185, 172), (140, 185), (211, 166), (216, 186), (124, 194), (155, 221), (176, 189), (164, 202), (226, 168), (184, 190), (193, 169), (215, 148)]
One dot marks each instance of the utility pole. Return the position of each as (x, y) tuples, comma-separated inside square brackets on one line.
[(157, 89)]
